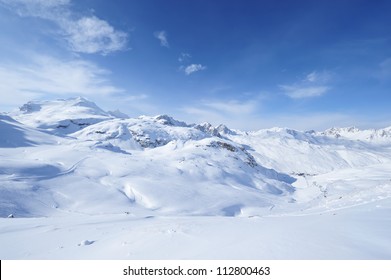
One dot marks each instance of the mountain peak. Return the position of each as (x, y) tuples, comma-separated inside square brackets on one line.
[(83, 102), (167, 120), (223, 129), (354, 133), (36, 106), (61, 116), (30, 107), (118, 114)]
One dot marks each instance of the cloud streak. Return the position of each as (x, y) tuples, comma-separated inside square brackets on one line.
[(297, 92), (232, 106), (162, 37), (184, 57), (247, 115), (234, 113), (192, 68), (314, 84), (45, 75), (86, 34)]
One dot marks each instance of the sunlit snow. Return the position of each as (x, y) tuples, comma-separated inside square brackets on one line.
[(77, 182)]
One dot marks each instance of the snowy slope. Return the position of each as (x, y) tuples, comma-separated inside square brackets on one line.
[(202, 178), (296, 152), (148, 132), (182, 182), (353, 133), (362, 232), (14, 134), (144, 164), (61, 116)]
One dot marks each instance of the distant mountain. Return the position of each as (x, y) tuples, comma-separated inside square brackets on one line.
[(353, 133), (294, 152), (61, 116)]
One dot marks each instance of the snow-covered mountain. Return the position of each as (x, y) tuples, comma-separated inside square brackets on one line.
[(161, 164), (69, 157), (61, 116), (149, 163), (295, 152), (353, 133)]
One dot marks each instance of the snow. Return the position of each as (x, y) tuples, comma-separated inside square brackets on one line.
[(86, 243), (362, 232), (113, 187), (14, 134), (60, 116)]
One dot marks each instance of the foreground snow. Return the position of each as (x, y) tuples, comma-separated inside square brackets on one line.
[(85, 183), (361, 232)]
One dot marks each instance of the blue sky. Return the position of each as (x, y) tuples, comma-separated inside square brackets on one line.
[(249, 64)]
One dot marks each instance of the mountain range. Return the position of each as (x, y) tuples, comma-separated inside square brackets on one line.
[(70, 158)]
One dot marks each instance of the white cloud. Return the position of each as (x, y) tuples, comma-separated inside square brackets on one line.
[(313, 85), (252, 118), (131, 103), (184, 57), (87, 34), (233, 113), (131, 98), (232, 106), (47, 9), (192, 68), (93, 35), (318, 77), (162, 36), (297, 92), (250, 114), (312, 77), (45, 75)]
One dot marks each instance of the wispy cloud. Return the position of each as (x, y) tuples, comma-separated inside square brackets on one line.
[(93, 35), (384, 72), (162, 37), (248, 115), (133, 103), (314, 84), (37, 8), (232, 106), (234, 113), (297, 91), (184, 57), (312, 77), (192, 68), (45, 75), (318, 77), (86, 34)]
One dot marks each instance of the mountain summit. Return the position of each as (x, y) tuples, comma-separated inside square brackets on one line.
[(63, 116)]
